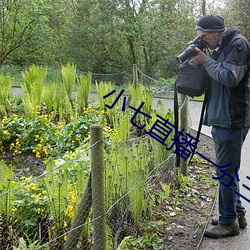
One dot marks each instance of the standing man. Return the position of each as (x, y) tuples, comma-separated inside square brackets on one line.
[(228, 112)]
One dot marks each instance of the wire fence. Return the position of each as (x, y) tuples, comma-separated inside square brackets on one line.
[(55, 210), (44, 211), (160, 87)]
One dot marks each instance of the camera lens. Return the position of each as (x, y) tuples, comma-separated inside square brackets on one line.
[(187, 53)]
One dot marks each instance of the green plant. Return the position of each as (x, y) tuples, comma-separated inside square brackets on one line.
[(83, 91), (6, 184), (29, 245), (176, 199), (104, 88), (126, 172), (48, 98), (165, 190), (183, 180), (34, 81), (139, 94), (68, 74), (5, 90), (147, 241), (30, 207)]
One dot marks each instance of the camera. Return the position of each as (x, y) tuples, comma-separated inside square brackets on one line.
[(190, 51)]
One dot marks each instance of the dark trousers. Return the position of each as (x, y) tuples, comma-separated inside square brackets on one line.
[(228, 145)]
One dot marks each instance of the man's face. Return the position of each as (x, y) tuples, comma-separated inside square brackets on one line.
[(211, 38)]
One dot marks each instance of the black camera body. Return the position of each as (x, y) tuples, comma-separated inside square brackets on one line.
[(190, 51)]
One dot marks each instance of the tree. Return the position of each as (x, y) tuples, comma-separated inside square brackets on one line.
[(237, 13), (21, 21)]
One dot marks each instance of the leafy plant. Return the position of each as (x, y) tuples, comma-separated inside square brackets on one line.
[(147, 241), (5, 90), (22, 245), (165, 190), (68, 74), (48, 98), (6, 184), (83, 91), (140, 94), (34, 81)]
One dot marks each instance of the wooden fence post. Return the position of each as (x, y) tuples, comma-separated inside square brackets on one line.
[(98, 195), (80, 218), (135, 74)]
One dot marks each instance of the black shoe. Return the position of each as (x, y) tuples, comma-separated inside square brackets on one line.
[(241, 219), (221, 231)]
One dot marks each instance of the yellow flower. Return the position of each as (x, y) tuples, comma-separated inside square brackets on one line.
[(73, 199), (31, 187), (38, 156), (14, 209), (37, 196), (6, 132), (69, 211)]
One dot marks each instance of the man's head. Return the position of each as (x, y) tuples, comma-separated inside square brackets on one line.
[(211, 29)]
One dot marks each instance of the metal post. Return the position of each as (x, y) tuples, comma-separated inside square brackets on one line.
[(184, 125)]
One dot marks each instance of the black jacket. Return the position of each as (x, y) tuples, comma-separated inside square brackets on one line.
[(229, 90)]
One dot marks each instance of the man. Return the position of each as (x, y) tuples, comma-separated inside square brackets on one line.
[(228, 112)]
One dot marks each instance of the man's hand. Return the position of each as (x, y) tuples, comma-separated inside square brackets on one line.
[(200, 58)]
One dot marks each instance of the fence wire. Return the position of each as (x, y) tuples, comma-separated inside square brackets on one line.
[(41, 210)]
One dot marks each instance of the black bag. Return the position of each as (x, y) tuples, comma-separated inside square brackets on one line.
[(192, 80)]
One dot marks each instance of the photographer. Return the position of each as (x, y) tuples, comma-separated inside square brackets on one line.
[(228, 112)]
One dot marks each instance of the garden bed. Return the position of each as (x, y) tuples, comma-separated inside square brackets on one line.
[(186, 224)]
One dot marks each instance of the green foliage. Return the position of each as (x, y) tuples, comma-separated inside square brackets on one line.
[(68, 74), (165, 191), (43, 137), (5, 90), (48, 98), (29, 245), (57, 188), (147, 241), (30, 206), (34, 81), (126, 172), (6, 184), (128, 161), (23, 25), (104, 88), (139, 94), (83, 91), (103, 36)]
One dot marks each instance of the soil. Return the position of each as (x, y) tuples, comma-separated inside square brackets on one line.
[(186, 223), (25, 164)]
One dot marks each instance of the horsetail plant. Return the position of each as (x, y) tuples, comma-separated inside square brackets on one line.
[(56, 184), (6, 184)]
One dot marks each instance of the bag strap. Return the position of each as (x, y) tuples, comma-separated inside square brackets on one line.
[(176, 123), (200, 123)]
